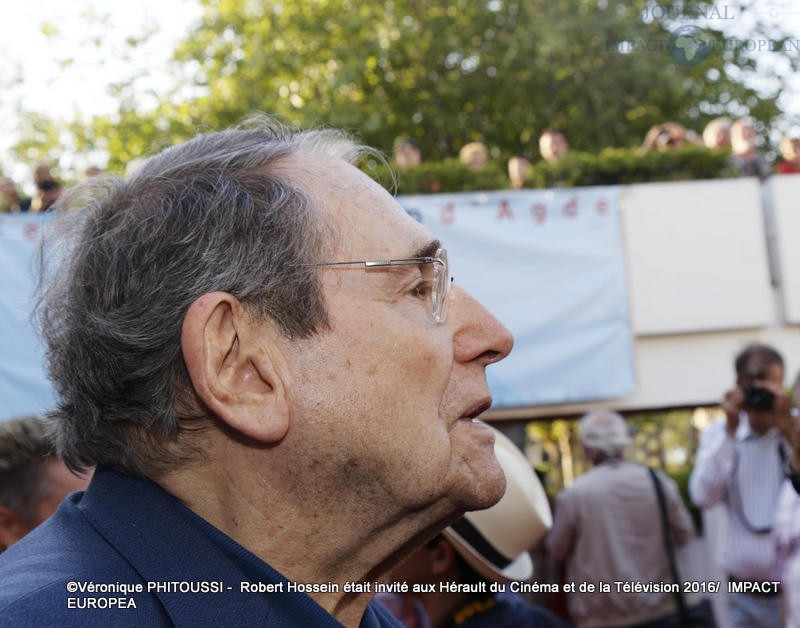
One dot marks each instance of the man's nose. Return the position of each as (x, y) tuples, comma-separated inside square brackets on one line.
[(478, 335)]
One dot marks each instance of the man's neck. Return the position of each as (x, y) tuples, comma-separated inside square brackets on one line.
[(759, 426), (315, 540)]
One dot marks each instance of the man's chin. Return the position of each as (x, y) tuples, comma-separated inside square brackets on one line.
[(482, 483), (487, 488)]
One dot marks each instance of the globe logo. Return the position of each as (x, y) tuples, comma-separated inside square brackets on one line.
[(689, 45)]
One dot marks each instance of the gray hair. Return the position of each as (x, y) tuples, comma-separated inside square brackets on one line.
[(604, 431), (24, 448), (756, 352), (215, 213)]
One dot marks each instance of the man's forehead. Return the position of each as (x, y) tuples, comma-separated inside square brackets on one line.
[(331, 183), (359, 209), (764, 367)]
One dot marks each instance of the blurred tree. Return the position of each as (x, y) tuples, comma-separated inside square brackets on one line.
[(444, 72)]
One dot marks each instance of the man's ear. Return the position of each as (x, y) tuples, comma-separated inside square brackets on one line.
[(236, 366)]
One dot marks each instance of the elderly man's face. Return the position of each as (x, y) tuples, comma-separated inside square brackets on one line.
[(389, 394)]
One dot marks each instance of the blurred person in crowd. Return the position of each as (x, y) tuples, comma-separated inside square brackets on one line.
[(739, 464), (746, 157), (10, 199), (717, 134), (277, 383), (48, 189), (474, 155), (32, 480), (553, 146), (476, 553), (608, 527), (407, 153), (91, 171), (786, 531), (518, 172), (790, 152), (668, 136)]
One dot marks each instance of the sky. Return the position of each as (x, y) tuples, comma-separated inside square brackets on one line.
[(57, 90), (33, 75)]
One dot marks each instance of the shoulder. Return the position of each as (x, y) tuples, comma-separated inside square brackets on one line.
[(669, 485), (580, 488), (713, 430), (599, 477), (65, 544), (53, 604), (47, 577), (715, 435)]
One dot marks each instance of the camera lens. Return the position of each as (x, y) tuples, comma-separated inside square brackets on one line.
[(757, 398)]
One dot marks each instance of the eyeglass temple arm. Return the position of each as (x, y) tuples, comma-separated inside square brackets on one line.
[(401, 262)]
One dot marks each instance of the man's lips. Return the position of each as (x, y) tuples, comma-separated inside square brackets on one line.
[(477, 408)]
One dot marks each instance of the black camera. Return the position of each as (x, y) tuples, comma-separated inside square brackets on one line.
[(756, 398)]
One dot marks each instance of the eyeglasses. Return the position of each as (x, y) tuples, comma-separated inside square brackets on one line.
[(435, 275)]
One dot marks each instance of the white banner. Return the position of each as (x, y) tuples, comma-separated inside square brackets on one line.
[(550, 265), (24, 389)]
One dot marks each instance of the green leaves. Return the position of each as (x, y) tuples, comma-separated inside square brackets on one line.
[(443, 72)]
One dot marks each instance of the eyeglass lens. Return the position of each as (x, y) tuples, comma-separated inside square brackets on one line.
[(441, 286)]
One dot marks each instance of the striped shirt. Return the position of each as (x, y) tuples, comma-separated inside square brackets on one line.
[(743, 472)]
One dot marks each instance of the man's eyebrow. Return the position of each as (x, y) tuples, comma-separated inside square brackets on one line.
[(427, 250)]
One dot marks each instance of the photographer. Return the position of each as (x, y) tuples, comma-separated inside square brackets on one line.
[(740, 463)]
